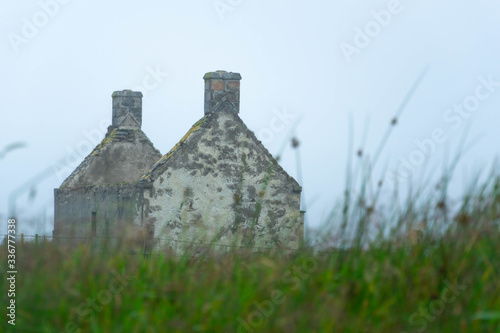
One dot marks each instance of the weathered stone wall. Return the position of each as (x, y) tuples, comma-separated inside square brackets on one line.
[(117, 209), (222, 187), (217, 186)]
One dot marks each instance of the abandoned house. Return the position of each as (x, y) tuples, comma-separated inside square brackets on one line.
[(218, 186)]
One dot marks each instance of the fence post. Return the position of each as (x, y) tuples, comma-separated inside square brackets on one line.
[(36, 239), (22, 239)]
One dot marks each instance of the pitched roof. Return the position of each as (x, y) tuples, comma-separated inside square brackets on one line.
[(122, 156), (199, 128)]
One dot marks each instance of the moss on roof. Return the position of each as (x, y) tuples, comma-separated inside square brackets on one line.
[(159, 167), (165, 157), (107, 139), (116, 135)]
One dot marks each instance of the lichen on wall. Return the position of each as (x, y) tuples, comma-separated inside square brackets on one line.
[(220, 186), (217, 188)]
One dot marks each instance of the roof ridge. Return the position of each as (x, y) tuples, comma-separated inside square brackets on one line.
[(196, 126), (152, 174)]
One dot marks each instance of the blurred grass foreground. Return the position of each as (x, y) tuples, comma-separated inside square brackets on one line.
[(424, 263), (415, 276)]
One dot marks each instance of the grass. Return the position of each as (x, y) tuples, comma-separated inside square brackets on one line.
[(423, 264), (432, 280)]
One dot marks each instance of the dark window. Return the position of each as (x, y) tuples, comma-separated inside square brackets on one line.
[(94, 225)]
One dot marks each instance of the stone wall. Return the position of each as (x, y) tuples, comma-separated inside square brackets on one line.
[(221, 186), (218, 186), (117, 210)]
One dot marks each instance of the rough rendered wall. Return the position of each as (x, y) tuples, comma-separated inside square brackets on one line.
[(117, 209), (222, 187)]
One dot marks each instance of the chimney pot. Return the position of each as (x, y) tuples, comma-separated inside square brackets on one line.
[(127, 108), (221, 87)]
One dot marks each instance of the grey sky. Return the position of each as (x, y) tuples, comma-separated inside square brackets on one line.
[(57, 80)]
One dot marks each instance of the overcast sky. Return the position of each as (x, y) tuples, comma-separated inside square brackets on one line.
[(306, 66)]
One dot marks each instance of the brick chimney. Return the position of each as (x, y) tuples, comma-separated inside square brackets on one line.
[(127, 108), (222, 87)]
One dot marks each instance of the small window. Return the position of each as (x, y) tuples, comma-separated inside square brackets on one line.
[(94, 225)]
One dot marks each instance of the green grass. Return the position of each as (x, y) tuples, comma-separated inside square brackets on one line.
[(396, 283), (425, 263)]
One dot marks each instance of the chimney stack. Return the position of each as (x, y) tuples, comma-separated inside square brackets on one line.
[(127, 108), (222, 87)]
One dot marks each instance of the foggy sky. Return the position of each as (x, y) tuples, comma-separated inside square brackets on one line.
[(306, 67)]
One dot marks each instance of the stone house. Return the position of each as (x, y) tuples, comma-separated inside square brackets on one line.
[(218, 186)]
